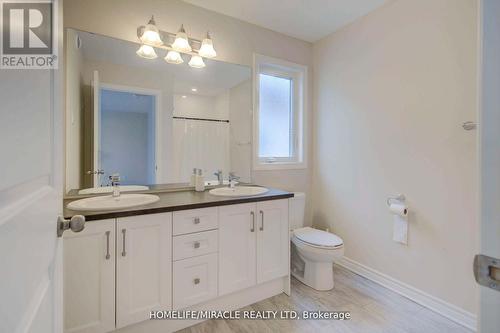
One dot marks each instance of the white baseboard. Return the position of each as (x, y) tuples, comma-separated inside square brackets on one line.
[(445, 309)]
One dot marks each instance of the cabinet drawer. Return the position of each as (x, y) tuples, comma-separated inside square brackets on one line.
[(194, 220), (195, 280), (197, 244)]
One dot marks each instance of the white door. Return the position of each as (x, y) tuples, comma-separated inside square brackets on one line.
[(31, 169), (96, 104), (237, 230), (272, 240), (143, 267), (489, 128), (89, 278)]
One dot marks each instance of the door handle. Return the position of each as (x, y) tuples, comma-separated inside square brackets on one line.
[(76, 224), (253, 222), (124, 253), (107, 245), (261, 221), (487, 271)]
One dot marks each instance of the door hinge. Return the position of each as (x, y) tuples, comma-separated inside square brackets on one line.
[(487, 271)]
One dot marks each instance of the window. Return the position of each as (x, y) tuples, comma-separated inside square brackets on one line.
[(279, 114)]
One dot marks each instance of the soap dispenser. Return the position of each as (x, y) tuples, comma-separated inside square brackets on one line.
[(200, 181), (193, 177)]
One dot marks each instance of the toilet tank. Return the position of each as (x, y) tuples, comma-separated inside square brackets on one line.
[(297, 210)]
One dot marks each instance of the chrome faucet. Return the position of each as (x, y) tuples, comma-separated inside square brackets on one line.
[(220, 177), (115, 182), (233, 179)]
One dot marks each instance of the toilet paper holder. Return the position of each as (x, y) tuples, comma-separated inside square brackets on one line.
[(399, 198)]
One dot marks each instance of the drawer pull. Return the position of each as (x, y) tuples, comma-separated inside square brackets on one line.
[(253, 222), (107, 245), (262, 221), (196, 245), (124, 253), (196, 281), (196, 220)]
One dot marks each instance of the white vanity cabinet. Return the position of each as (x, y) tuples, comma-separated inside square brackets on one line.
[(117, 271), (143, 266), (89, 278), (253, 244), (273, 240), (237, 245)]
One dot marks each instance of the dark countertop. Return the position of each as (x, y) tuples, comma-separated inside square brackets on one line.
[(174, 201)]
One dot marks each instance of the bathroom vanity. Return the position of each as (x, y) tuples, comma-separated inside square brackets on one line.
[(188, 251), (152, 122)]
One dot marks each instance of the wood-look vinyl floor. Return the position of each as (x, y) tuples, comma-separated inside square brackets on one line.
[(373, 308)]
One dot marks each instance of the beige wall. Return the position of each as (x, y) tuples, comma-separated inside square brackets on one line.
[(392, 90), (235, 41)]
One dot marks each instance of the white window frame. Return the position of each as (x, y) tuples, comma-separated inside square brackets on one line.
[(298, 74)]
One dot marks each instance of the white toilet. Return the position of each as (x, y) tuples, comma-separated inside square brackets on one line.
[(313, 251)]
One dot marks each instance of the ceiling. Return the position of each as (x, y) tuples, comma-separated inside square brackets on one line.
[(309, 20)]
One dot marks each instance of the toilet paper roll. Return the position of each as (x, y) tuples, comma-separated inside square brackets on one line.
[(398, 209)]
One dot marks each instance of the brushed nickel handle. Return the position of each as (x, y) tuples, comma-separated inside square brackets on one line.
[(196, 245), (124, 253), (196, 281), (253, 221), (107, 245), (262, 221), (196, 220)]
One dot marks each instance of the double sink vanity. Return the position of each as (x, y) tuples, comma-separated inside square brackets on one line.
[(220, 249), (163, 246)]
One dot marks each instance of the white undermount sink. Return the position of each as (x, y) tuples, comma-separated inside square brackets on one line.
[(108, 202), (109, 189), (238, 191)]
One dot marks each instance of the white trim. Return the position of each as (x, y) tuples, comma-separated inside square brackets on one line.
[(435, 304), (158, 140), (301, 96)]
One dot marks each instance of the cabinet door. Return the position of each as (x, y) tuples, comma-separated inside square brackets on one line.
[(272, 240), (143, 266), (237, 230), (89, 278)]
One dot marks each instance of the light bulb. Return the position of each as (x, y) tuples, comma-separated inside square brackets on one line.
[(174, 57), (151, 34), (146, 51), (207, 48), (196, 62), (181, 42)]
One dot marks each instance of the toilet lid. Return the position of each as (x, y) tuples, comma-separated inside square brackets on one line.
[(317, 237)]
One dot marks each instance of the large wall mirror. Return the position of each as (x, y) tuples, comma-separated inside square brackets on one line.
[(150, 121)]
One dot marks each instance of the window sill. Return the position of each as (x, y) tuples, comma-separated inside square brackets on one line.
[(279, 166)]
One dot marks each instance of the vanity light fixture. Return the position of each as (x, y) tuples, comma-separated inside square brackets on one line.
[(174, 57), (196, 62), (152, 38), (207, 48), (194, 89), (146, 51), (181, 42), (151, 34)]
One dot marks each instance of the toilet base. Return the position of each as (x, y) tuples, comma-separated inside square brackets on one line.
[(317, 275)]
